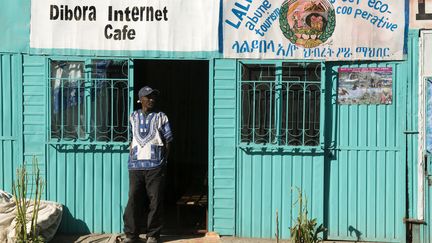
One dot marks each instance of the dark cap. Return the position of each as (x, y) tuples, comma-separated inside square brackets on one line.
[(146, 90)]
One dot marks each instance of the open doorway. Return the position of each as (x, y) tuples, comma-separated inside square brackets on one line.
[(183, 87)]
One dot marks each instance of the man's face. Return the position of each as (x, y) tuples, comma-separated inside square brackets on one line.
[(148, 101)]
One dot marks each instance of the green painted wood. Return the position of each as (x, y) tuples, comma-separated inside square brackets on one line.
[(224, 153), (365, 171), (366, 163), (89, 180), (34, 109), (211, 172), (267, 182), (10, 118), (15, 27)]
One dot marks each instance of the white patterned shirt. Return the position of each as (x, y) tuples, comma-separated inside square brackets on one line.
[(150, 133)]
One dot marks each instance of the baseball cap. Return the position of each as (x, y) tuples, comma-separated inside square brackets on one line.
[(146, 90)]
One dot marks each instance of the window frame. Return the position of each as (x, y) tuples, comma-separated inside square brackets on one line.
[(270, 147), (87, 77)]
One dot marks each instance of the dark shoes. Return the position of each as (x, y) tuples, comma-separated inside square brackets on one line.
[(134, 240), (130, 240), (153, 240), (138, 240)]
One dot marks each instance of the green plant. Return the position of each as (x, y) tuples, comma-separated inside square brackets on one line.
[(305, 230), (23, 205)]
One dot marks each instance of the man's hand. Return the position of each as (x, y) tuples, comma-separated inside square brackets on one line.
[(167, 150)]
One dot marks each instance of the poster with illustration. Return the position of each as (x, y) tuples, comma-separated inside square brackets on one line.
[(314, 29), (307, 24), (429, 114), (365, 85)]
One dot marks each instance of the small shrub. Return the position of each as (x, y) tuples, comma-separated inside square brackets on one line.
[(305, 230), (20, 188)]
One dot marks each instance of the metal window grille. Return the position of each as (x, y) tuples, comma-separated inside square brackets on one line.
[(89, 100), (280, 104)]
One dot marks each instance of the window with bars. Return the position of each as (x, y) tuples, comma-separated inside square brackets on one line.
[(280, 104), (89, 100)]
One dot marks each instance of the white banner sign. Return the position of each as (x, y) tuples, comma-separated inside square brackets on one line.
[(421, 14), (314, 29), (151, 25)]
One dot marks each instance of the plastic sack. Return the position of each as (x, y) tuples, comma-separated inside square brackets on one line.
[(48, 221)]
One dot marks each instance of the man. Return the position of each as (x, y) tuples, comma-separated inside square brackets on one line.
[(149, 150)]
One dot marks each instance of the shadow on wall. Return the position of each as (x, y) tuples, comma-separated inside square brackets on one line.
[(330, 136), (357, 233), (71, 225)]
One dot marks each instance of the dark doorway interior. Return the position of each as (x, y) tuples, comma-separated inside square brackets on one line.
[(183, 87)]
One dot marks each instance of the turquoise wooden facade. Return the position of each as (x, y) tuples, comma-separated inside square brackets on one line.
[(355, 184), (360, 182)]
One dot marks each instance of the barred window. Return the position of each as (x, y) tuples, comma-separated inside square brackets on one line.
[(89, 100), (280, 104)]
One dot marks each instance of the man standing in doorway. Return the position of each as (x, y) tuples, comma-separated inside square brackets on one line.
[(149, 150)]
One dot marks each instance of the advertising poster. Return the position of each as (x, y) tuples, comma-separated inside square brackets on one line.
[(314, 29), (365, 86), (151, 25)]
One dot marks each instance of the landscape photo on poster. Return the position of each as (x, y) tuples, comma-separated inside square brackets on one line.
[(365, 85)]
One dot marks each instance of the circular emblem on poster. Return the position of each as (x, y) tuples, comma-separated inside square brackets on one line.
[(307, 23)]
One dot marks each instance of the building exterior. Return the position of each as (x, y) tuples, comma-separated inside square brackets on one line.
[(253, 120)]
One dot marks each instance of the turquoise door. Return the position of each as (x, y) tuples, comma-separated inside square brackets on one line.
[(365, 170), (280, 143)]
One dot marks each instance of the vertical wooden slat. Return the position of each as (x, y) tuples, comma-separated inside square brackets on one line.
[(107, 192), (390, 183), (257, 200), (3, 79), (70, 171), (264, 169), (277, 190), (80, 203), (362, 185), (371, 193), (89, 192), (3, 171), (117, 161), (343, 192), (224, 123), (98, 202), (6, 116), (62, 190)]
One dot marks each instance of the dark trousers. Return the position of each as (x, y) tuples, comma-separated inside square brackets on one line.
[(143, 213)]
